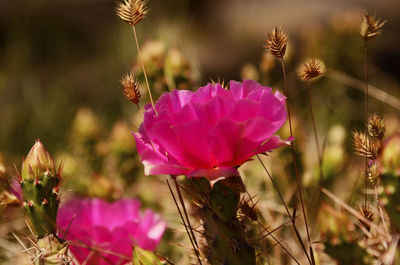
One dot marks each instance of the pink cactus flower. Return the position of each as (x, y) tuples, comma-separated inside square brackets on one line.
[(212, 131), (103, 233)]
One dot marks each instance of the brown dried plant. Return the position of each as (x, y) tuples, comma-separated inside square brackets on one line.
[(364, 146), (131, 88), (376, 126), (277, 42), (311, 69), (373, 173), (366, 212), (132, 11), (8, 199), (371, 27)]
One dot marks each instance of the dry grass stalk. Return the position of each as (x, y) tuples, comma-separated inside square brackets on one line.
[(364, 146), (366, 212), (132, 11), (371, 27), (277, 42), (131, 88), (311, 69), (376, 126)]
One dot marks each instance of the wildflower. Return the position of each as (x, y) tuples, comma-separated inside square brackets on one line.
[(371, 27), (212, 131), (311, 69), (132, 11), (277, 42), (103, 233)]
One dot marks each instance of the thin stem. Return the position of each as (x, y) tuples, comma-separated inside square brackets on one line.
[(295, 162), (184, 209), (279, 243), (144, 70), (292, 218), (183, 220), (366, 113), (315, 132), (380, 206)]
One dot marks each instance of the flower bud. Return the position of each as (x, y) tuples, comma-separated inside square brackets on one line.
[(38, 162), (40, 183)]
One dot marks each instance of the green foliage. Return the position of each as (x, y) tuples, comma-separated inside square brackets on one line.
[(145, 257), (347, 253)]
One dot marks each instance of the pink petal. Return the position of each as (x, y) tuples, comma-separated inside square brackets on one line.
[(214, 173), (225, 141), (273, 110), (150, 230)]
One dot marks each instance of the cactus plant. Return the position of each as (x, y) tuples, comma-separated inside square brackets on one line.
[(52, 252), (224, 234), (40, 182)]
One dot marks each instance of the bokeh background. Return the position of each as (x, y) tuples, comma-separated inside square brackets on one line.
[(61, 62), (58, 56)]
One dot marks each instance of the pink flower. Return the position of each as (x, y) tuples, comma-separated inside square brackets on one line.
[(212, 131), (103, 233)]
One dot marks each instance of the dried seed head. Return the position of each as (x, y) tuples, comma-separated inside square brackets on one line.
[(371, 27), (132, 11), (366, 211), (376, 126), (276, 42), (364, 146), (373, 173), (131, 88), (311, 69), (8, 199)]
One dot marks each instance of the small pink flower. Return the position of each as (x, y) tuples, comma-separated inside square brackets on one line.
[(103, 233), (212, 131)]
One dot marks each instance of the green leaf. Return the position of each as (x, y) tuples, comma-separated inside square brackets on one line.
[(145, 257)]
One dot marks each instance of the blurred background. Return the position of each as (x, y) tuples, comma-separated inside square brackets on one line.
[(59, 56), (61, 62)]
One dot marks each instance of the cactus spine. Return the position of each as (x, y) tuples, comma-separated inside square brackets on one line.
[(224, 234), (40, 183)]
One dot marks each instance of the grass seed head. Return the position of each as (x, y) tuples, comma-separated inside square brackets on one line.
[(373, 173), (131, 88), (371, 26), (376, 126), (132, 11), (276, 43), (311, 69), (367, 212), (364, 146)]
